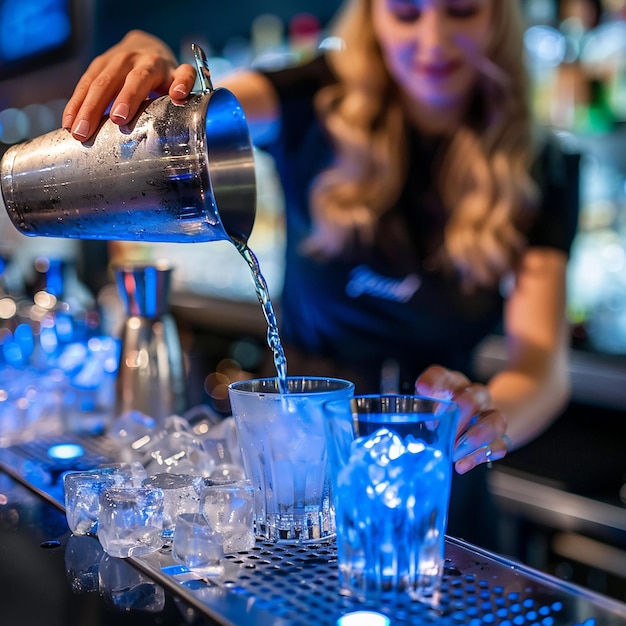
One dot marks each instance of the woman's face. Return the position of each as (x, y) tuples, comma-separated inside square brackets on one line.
[(431, 46)]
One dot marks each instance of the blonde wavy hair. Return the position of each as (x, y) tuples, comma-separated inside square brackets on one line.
[(484, 181)]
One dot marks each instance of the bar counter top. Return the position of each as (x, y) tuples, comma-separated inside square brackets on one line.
[(49, 576)]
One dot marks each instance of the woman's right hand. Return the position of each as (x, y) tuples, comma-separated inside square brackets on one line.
[(123, 77)]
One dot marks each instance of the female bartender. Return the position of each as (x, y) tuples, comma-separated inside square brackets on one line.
[(424, 211)]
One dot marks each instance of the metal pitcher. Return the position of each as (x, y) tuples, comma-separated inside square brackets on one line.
[(175, 173), (151, 374)]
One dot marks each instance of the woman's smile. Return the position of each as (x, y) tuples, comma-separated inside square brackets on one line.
[(436, 70)]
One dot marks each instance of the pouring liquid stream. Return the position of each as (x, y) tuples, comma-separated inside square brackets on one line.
[(263, 295)]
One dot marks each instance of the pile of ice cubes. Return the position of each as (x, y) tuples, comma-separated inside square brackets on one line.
[(180, 485), (197, 443), (133, 514)]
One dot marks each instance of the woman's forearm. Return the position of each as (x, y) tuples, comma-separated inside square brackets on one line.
[(531, 399)]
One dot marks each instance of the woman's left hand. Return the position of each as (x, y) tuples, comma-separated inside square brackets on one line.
[(481, 430)]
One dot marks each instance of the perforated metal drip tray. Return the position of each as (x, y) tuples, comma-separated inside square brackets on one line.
[(292, 585), (280, 585)]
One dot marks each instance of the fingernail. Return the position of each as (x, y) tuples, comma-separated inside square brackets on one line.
[(120, 112), (463, 466), (181, 90), (67, 122), (461, 449), (82, 129)]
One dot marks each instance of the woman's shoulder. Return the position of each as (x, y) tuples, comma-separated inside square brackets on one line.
[(301, 79), (556, 173), (554, 162), (296, 87)]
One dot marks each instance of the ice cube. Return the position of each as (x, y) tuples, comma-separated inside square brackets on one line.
[(237, 537), (130, 520), (133, 473), (197, 545), (180, 495), (225, 504), (228, 472), (181, 453), (133, 432), (81, 494), (176, 424)]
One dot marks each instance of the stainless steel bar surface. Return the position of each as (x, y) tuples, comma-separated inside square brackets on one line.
[(280, 585)]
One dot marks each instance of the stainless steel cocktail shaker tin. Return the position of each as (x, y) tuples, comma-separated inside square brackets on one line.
[(175, 173)]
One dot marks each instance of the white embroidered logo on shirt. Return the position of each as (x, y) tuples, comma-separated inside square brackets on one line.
[(364, 280)]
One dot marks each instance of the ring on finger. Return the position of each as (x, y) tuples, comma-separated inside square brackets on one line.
[(488, 454)]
